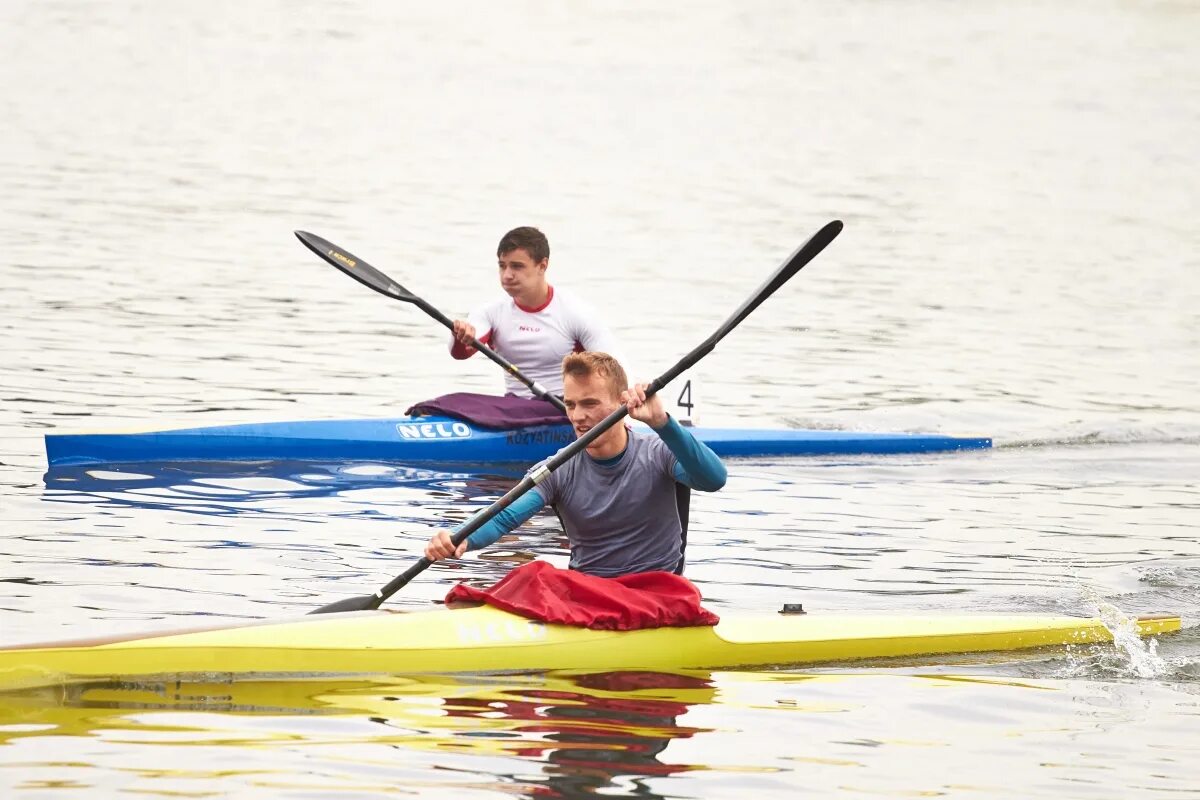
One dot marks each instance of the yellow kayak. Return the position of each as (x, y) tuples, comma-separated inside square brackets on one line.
[(485, 639)]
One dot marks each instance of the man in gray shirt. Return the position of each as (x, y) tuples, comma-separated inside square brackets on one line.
[(617, 498)]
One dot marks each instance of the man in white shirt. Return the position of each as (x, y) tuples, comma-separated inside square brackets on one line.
[(537, 324)]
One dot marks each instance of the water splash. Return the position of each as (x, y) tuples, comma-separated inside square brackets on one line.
[(1129, 655), (1142, 654)]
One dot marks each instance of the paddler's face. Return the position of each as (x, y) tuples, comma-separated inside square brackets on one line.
[(520, 275), (589, 400)]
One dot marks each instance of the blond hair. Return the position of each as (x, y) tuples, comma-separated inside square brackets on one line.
[(593, 362)]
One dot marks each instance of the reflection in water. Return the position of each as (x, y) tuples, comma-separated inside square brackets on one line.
[(228, 488), (592, 732), (934, 732), (608, 732)]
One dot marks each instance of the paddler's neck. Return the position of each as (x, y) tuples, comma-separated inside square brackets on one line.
[(611, 444), (535, 298)]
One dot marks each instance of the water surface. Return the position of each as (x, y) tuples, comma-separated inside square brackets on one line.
[(1019, 260)]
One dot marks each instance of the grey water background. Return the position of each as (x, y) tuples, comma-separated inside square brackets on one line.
[(1019, 187)]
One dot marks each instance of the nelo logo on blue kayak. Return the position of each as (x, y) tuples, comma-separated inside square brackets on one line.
[(433, 430)]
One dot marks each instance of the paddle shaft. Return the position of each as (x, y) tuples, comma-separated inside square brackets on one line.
[(802, 255), (369, 276)]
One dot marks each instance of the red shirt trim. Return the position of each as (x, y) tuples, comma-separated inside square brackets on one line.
[(461, 351), (549, 297)]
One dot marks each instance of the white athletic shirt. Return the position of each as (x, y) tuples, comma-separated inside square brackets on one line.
[(537, 339)]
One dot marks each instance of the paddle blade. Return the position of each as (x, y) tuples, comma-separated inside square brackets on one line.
[(366, 602), (794, 263), (353, 266)]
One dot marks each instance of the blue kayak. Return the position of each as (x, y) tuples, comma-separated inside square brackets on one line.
[(444, 441)]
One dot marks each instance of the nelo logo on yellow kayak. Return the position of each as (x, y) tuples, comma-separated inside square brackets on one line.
[(514, 630), (433, 430)]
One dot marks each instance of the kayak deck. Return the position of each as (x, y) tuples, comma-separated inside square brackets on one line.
[(441, 440), (485, 639)]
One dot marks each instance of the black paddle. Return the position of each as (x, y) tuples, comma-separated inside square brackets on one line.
[(367, 275), (805, 253)]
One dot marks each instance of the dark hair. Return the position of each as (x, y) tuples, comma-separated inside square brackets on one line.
[(531, 240), (593, 362)]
